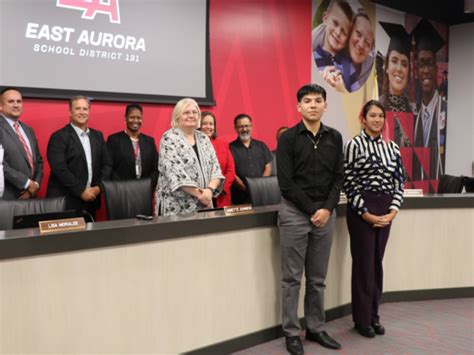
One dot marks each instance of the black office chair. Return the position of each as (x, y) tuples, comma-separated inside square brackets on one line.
[(264, 190), (469, 184), (449, 184), (11, 208), (127, 198)]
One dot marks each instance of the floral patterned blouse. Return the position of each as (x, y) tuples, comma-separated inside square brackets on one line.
[(179, 166)]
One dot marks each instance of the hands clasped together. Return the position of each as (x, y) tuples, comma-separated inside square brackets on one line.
[(379, 221), (205, 197), (90, 194), (320, 217)]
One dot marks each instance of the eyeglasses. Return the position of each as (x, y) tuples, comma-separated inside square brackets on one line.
[(247, 126)]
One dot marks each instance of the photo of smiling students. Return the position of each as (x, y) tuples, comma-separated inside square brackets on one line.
[(357, 59), (431, 107), (396, 76), (330, 37)]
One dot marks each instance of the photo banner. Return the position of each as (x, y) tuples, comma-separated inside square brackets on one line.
[(363, 51)]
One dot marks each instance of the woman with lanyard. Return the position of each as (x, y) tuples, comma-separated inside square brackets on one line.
[(134, 154), (373, 184)]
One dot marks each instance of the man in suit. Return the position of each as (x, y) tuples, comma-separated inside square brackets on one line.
[(430, 124), (133, 154), (79, 160), (22, 163)]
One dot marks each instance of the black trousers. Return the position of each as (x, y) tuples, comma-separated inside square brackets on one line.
[(367, 250)]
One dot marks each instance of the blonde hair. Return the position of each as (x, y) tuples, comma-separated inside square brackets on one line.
[(179, 109)]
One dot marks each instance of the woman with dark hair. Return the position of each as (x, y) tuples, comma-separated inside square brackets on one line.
[(396, 76), (133, 153), (373, 184), (224, 156)]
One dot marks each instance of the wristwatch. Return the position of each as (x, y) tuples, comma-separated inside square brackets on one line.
[(213, 190)]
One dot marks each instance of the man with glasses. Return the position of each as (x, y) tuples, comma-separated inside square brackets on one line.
[(430, 124), (252, 158)]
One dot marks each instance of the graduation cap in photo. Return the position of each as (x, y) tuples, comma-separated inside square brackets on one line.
[(427, 37), (400, 40)]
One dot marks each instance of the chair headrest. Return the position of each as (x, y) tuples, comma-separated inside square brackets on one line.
[(264, 190), (11, 208)]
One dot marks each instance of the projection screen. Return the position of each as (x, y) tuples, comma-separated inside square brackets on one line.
[(111, 50)]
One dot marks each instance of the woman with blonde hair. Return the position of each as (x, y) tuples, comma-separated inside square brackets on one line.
[(190, 175)]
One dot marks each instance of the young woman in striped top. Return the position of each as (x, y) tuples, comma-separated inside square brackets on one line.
[(373, 184)]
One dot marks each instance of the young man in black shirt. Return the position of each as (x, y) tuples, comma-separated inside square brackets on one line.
[(310, 175)]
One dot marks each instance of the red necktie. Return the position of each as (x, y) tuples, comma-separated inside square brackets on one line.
[(25, 146)]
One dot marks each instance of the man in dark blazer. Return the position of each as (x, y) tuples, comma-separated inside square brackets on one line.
[(23, 164), (133, 154), (79, 160)]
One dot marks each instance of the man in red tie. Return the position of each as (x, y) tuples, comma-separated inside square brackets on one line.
[(23, 164)]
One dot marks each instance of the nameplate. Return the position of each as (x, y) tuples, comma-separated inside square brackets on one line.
[(62, 225), (412, 192), (239, 209)]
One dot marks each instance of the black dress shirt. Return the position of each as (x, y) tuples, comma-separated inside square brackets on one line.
[(249, 162), (310, 168), (371, 164)]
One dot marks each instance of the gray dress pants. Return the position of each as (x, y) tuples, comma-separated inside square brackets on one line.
[(303, 247)]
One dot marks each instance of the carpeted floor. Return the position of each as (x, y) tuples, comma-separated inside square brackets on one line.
[(426, 327)]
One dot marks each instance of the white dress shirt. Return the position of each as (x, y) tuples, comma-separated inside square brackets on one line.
[(86, 145)]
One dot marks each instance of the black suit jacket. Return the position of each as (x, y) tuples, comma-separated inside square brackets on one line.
[(68, 163), (17, 170), (123, 157)]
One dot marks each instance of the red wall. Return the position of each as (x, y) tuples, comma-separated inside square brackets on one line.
[(260, 56)]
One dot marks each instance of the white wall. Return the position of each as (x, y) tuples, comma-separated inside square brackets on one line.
[(460, 135)]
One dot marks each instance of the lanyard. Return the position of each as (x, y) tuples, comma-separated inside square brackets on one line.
[(137, 149)]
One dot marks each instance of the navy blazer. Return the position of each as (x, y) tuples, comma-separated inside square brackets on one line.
[(16, 167), (123, 157), (68, 163)]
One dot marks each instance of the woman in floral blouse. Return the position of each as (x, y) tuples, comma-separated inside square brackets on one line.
[(190, 175)]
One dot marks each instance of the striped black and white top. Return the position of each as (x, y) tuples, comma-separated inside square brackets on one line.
[(371, 164)]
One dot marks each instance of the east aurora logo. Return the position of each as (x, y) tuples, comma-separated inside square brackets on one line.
[(90, 8)]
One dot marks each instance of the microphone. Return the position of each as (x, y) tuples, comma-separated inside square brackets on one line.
[(85, 213)]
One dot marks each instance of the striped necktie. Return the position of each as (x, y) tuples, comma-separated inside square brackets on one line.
[(25, 146)]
